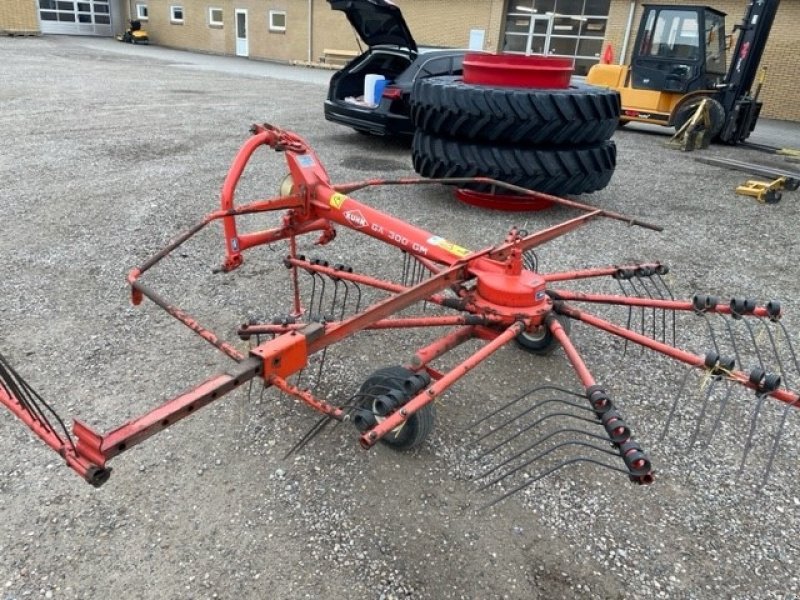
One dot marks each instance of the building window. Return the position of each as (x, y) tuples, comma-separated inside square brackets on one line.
[(176, 14), (277, 20), (215, 17), (141, 12)]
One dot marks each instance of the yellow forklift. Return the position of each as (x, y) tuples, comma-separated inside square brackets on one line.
[(679, 60)]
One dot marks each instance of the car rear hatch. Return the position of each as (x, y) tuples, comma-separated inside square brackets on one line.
[(377, 22)]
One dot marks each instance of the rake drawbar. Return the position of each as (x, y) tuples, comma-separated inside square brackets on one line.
[(495, 295)]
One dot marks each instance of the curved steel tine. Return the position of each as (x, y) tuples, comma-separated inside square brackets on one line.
[(755, 343), (530, 426), (661, 296), (539, 442), (561, 465), (516, 417), (723, 403), (638, 294), (775, 352), (321, 293), (541, 455), (332, 310), (344, 300), (776, 442), (358, 298), (731, 335), (649, 295), (630, 316), (674, 405), (522, 396), (313, 432), (710, 331), (753, 422), (709, 391), (671, 297), (404, 277), (790, 345)]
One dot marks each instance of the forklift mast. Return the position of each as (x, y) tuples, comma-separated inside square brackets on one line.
[(741, 108)]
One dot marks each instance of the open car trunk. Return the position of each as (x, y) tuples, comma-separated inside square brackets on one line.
[(348, 84)]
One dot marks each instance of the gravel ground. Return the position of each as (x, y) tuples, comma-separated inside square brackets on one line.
[(108, 152)]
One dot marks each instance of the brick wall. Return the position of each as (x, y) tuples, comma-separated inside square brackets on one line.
[(781, 92), (19, 17)]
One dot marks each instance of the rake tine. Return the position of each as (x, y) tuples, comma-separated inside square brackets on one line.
[(774, 450), (666, 288), (753, 423), (539, 442), (702, 416), (723, 403), (541, 455), (755, 343), (493, 430), (710, 331), (335, 296), (14, 381), (406, 259), (531, 426), (674, 406), (321, 293), (315, 430), (661, 296), (630, 316), (358, 298), (640, 295), (646, 289), (731, 335), (775, 353), (550, 471), (522, 396), (344, 300), (790, 345)]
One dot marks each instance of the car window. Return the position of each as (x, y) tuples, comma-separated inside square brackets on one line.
[(437, 65)]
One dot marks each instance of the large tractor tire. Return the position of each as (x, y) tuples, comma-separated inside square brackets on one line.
[(580, 114), (559, 171)]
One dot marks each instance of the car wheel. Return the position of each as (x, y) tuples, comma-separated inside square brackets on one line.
[(580, 114), (576, 170)]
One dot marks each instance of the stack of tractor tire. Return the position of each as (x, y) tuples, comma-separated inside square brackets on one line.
[(555, 141)]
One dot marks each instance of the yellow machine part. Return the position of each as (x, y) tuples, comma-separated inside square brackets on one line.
[(139, 35), (646, 106)]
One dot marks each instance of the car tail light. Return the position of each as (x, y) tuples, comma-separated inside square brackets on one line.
[(392, 93)]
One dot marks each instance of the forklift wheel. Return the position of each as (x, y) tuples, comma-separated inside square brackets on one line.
[(716, 114)]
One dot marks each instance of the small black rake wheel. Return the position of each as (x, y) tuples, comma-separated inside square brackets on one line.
[(541, 341), (417, 428)]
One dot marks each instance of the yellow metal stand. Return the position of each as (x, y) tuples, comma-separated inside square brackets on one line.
[(694, 133), (763, 191)]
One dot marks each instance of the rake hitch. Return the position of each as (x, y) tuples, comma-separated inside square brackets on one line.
[(492, 297)]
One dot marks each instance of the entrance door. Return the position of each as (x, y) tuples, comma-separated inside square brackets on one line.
[(241, 32), (541, 27)]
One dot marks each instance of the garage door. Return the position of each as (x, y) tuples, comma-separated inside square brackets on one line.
[(76, 17)]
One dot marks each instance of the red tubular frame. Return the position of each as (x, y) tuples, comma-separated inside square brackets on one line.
[(504, 301)]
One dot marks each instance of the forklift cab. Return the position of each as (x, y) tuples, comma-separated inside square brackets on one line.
[(679, 49)]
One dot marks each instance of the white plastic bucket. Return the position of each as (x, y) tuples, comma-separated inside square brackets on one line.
[(370, 82)]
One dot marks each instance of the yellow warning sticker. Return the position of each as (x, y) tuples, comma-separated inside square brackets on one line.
[(452, 248), (337, 200)]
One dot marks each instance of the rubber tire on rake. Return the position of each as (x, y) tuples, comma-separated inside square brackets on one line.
[(543, 342), (580, 114), (418, 426), (559, 171)]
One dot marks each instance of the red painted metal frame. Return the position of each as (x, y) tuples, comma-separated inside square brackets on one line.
[(500, 299)]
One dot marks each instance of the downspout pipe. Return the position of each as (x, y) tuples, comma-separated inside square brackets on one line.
[(628, 26), (310, 28)]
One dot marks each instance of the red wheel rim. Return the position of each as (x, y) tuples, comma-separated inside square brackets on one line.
[(504, 202)]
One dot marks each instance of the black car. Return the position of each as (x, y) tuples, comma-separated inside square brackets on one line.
[(393, 54)]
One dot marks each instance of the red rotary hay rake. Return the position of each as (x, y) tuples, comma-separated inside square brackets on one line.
[(494, 296)]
